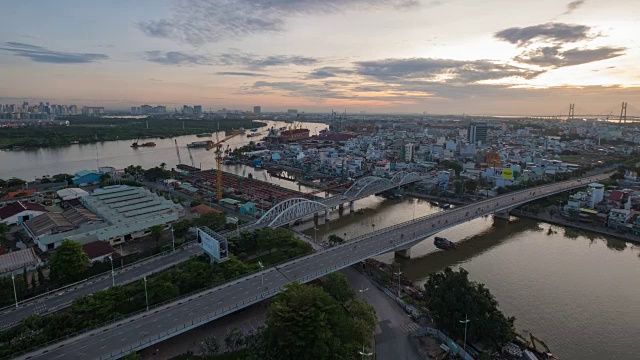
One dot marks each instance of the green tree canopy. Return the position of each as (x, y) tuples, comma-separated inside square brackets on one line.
[(156, 232), (305, 322), (335, 239), (450, 296), (338, 286), (450, 164), (69, 263)]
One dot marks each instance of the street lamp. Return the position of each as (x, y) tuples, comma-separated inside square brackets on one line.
[(465, 322), (363, 353), (173, 240), (373, 226), (146, 295), (15, 294), (345, 236), (315, 234), (113, 273), (362, 290), (261, 274), (398, 273)]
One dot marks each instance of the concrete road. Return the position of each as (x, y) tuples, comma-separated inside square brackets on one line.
[(169, 320), (64, 297), (394, 325)]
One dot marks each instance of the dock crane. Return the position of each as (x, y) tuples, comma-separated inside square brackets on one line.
[(191, 157), (178, 152), (219, 156)]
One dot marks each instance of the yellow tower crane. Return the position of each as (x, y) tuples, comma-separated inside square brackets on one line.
[(218, 146)]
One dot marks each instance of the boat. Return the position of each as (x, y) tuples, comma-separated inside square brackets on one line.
[(444, 244), (234, 132), (204, 135), (254, 130), (199, 144), (434, 203), (446, 206), (149, 144)]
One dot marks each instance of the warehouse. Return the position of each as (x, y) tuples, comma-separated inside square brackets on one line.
[(127, 213)]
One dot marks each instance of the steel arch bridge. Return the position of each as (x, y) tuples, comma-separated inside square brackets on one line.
[(289, 210), (377, 184)]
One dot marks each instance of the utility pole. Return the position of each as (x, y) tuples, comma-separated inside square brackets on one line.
[(261, 274), (465, 322), (173, 240), (146, 295), (572, 111), (15, 294), (398, 273), (113, 273)]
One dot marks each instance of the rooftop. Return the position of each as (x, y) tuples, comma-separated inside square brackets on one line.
[(18, 207), (17, 260)]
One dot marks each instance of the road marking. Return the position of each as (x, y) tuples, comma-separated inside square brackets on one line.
[(103, 347)]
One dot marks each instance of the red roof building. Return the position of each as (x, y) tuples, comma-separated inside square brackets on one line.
[(204, 209), (19, 212)]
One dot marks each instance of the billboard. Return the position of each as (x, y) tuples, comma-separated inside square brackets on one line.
[(507, 174), (213, 244)]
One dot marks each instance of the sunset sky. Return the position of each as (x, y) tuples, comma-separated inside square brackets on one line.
[(496, 57)]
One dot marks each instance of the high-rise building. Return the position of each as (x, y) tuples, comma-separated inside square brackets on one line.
[(197, 109), (477, 132), (257, 110), (408, 152)]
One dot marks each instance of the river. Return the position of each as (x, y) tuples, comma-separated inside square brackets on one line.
[(575, 290), (33, 163)]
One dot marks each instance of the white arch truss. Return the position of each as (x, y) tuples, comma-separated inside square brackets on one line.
[(375, 186), (359, 184), (397, 178), (410, 177), (290, 210)]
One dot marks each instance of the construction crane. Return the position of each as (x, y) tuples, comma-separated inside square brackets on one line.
[(191, 157), (219, 156), (178, 152)]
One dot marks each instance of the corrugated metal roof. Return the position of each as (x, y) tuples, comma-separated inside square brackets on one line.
[(17, 260)]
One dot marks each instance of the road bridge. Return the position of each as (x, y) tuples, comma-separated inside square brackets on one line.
[(165, 321), (291, 210)]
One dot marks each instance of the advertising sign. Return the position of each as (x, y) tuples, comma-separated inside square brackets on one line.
[(507, 174), (213, 244)]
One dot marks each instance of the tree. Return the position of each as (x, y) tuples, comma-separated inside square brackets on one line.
[(68, 263), (105, 177), (470, 186), (211, 220), (458, 185), (62, 178), (335, 240), (13, 182), (338, 286), (450, 296), (449, 164), (210, 345), (305, 322), (181, 228), (156, 232), (4, 228), (234, 339)]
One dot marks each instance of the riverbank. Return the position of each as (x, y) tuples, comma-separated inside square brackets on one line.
[(440, 199), (89, 130), (561, 221)]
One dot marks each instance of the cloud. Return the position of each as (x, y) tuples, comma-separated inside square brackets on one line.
[(440, 70), (328, 72), (255, 62), (553, 56), (558, 33), (176, 58), (572, 6), (201, 21), (240, 73), (43, 55)]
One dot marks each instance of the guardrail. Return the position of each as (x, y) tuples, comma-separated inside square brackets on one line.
[(105, 274)]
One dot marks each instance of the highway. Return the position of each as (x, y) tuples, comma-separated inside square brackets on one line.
[(142, 330), (63, 297)]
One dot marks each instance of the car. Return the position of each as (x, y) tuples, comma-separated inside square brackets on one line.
[(343, 197)]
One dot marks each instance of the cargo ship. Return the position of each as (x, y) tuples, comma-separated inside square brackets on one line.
[(444, 244), (147, 144), (204, 135), (199, 144), (234, 132)]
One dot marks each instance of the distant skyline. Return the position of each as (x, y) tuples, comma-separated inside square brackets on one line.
[(496, 57)]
